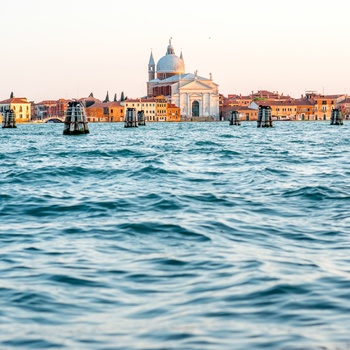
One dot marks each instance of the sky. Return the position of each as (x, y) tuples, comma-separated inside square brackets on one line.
[(54, 49)]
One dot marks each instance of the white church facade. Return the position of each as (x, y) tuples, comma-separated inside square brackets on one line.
[(196, 96)]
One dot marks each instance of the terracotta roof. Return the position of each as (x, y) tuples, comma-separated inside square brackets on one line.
[(304, 102), (104, 105), (46, 102), (347, 100), (237, 108), (15, 100), (141, 100), (89, 99), (327, 96), (277, 103)]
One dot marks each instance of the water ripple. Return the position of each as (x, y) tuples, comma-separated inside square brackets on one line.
[(175, 236)]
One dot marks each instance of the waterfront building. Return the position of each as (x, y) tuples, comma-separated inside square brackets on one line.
[(89, 101), (105, 112), (324, 104), (196, 96), (155, 109), (280, 110), (260, 95), (344, 106), (266, 95), (49, 109), (20, 106), (173, 113), (305, 108), (161, 108), (237, 100), (147, 105), (245, 113)]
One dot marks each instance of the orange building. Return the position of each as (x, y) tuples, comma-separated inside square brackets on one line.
[(244, 113), (237, 100), (324, 104), (305, 109), (173, 113), (105, 112)]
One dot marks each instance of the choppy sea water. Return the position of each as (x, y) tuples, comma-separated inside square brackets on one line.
[(175, 236)]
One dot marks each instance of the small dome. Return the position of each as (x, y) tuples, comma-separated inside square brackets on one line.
[(171, 64)]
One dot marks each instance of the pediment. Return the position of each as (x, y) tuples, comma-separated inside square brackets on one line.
[(196, 85)]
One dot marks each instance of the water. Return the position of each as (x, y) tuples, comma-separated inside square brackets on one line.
[(175, 236)]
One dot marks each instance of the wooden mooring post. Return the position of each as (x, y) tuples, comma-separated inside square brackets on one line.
[(264, 117), (141, 119), (131, 118), (234, 119), (75, 122), (336, 117), (9, 119)]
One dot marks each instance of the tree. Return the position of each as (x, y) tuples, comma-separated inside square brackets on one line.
[(106, 99), (115, 98), (122, 96), (11, 96)]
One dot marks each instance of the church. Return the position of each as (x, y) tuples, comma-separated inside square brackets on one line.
[(196, 96)]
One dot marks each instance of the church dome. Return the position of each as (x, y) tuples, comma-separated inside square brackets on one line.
[(170, 63)]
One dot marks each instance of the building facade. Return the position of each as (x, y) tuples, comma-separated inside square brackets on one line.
[(20, 106), (49, 109), (156, 109), (105, 112), (324, 104), (196, 96)]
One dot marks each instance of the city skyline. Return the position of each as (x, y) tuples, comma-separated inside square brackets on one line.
[(68, 49)]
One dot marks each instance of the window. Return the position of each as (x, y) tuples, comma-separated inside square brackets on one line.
[(195, 109)]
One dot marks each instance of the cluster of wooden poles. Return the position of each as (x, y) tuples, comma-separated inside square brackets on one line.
[(265, 117), (76, 122)]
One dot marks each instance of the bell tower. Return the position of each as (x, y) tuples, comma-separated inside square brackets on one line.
[(151, 68)]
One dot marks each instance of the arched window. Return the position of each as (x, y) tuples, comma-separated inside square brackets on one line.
[(195, 109)]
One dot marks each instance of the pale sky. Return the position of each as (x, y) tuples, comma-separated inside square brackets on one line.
[(54, 49)]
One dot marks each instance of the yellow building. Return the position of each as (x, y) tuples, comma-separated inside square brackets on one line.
[(161, 109), (20, 106), (156, 109), (281, 110), (147, 105)]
